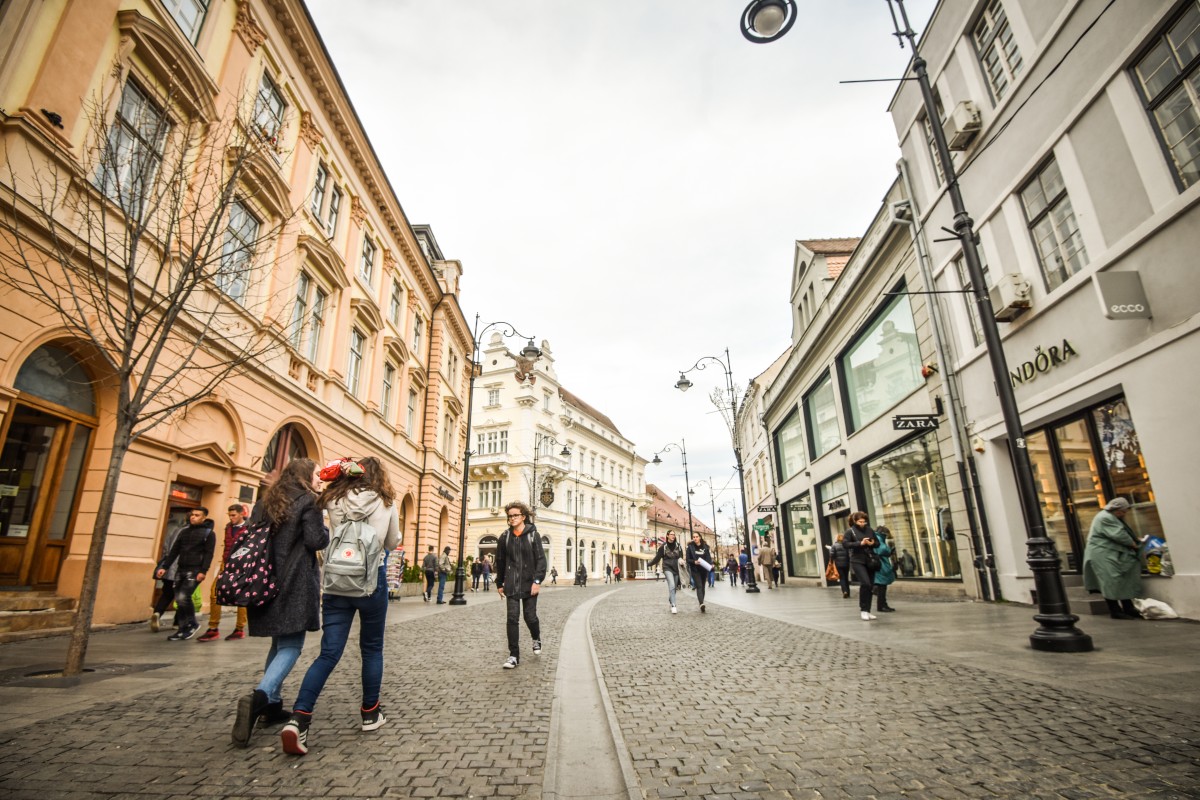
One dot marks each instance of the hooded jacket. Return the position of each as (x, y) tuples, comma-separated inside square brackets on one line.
[(668, 556), (193, 547), (520, 561), (368, 506)]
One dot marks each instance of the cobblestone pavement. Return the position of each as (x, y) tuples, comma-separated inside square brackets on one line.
[(728, 705), (733, 705)]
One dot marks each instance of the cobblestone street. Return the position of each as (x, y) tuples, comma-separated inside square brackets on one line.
[(728, 704)]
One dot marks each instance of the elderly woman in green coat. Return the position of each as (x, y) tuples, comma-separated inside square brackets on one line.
[(885, 576), (1111, 565)]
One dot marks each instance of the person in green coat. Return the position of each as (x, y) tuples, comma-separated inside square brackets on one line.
[(885, 576), (1111, 565)]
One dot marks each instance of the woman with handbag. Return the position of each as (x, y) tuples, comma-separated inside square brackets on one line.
[(669, 553), (839, 556), (860, 543)]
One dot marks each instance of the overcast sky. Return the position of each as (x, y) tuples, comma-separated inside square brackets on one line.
[(627, 178)]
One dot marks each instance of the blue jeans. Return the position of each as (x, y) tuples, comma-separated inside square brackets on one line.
[(712, 578), (672, 582), (442, 584), (282, 656), (337, 615)]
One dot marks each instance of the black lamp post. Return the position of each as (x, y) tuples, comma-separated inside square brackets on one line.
[(712, 502), (686, 484), (539, 440), (767, 20), (578, 503), (618, 518), (530, 351), (683, 384)]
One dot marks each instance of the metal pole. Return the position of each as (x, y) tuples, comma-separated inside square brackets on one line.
[(1056, 630), (460, 575), (752, 586)]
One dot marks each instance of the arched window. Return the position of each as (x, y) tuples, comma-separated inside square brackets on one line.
[(53, 374), (570, 555), (286, 445), (593, 556)]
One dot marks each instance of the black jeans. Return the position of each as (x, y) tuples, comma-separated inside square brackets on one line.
[(185, 584), (514, 621), (864, 584), (844, 577), (699, 582), (165, 597), (430, 578)]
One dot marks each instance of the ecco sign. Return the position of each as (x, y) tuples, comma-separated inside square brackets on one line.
[(1122, 295)]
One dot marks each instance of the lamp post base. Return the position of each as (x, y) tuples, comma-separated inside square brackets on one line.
[(460, 582), (753, 589), (1058, 634), (1056, 631)]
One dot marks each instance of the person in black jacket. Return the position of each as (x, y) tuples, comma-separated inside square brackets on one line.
[(859, 539), (193, 548), (669, 553), (698, 551), (520, 569)]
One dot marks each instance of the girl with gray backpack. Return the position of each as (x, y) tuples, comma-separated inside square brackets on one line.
[(360, 503)]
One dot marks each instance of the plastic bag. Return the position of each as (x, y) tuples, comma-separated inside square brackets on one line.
[(1154, 609), (1157, 556)]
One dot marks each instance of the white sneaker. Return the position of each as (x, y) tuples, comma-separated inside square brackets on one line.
[(511, 663), (674, 610), (867, 616)]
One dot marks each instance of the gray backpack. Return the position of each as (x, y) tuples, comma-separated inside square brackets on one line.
[(352, 559)]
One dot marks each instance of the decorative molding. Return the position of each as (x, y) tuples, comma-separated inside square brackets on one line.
[(309, 131), (248, 28), (358, 211), (389, 260)]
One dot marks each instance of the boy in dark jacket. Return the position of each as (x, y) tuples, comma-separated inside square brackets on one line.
[(193, 548), (520, 570)]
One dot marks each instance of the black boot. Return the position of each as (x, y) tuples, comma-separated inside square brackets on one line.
[(881, 599), (249, 708), (1127, 607), (1115, 611), (274, 714)]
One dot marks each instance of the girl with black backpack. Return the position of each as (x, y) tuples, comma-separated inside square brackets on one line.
[(669, 553)]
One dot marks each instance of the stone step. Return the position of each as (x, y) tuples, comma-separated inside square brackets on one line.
[(34, 601), (40, 618)]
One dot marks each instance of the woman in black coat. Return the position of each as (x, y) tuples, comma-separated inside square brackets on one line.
[(859, 539), (299, 533)]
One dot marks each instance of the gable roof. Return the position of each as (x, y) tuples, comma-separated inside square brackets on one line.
[(572, 399), (670, 513)]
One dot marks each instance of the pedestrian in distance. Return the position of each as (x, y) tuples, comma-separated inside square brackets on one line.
[(700, 563), (743, 566), (766, 561), (233, 531), (361, 491), (608, 573), (841, 559), (520, 570), (885, 575), (731, 567), (859, 540), (476, 573), (429, 565), (166, 594), (486, 570), (298, 533), (1112, 565), (581, 576), (445, 566), (670, 553), (192, 552), (907, 564), (554, 575)]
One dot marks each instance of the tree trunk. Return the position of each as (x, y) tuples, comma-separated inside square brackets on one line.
[(82, 629)]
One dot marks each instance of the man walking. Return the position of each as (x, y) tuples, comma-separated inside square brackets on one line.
[(766, 560), (520, 569), (429, 565), (444, 567), (193, 549), (233, 531)]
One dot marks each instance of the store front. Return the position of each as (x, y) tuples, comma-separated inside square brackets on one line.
[(1079, 464), (801, 535), (906, 492), (834, 498)]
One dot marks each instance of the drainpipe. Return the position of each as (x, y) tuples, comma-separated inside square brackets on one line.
[(980, 538), (424, 416)]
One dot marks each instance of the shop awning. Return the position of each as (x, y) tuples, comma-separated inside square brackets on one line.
[(632, 554)]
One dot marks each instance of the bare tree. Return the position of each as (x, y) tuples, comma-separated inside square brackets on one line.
[(149, 252)]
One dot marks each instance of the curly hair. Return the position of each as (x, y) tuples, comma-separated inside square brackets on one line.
[(374, 478), (519, 506), (296, 480)]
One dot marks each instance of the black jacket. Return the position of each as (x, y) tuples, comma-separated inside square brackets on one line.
[(669, 558), (297, 607), (694, 552), (520, 562), (839, 554), (193, 547), (857, 550)]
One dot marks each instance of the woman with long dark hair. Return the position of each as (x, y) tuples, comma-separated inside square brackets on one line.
[(860, 542), (360, 491), (669, 553), (297, 534)]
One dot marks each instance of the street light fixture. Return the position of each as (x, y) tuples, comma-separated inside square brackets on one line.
[(539, 440), (1056, 630), (578, 503), (618, 519), (683, 384), (682, 447), (531, 352)]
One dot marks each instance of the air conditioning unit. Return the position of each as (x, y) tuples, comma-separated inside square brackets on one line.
[(962, 125), (1010, 297)]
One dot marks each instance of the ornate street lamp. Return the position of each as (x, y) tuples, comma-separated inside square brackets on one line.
[(578, 503), (535, 495), (767, 20), (683, 384), (682, 447), (618, 519), (529, 351)]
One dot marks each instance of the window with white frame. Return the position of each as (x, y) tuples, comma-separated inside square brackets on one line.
[(930, 143), (418, 331), (316, 324), (335, 205), (237, 252), (493, 397), (997, 49), (1168, 76), (318, 192), (410, 421), (820, 411), (491, 442), (269, 109), (366, 266), (490, 494), (396, 302), (134, 151), (1052, 224), (300, 309), (358, 344), (448, 443), (964, 280), (389, 388), (188, 15)]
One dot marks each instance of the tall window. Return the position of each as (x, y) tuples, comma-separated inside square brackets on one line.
[(134, 151), (1052, 223), (335, 205), (883, 366), (358, 344), (491, 494), (396, 303), (268, 109), (188, 15), (448, 435), (410, 422), (318, 192), (493, 397), (927, 127), (821, 411), (789, 447), (316, 324), (964, 280), (418, 329), (1169, 78), (389, 388), (241, 235), (997, 49), (300, 310), (366, 267)]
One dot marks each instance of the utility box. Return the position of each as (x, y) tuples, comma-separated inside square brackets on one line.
[(1010, 297), (962, 125)]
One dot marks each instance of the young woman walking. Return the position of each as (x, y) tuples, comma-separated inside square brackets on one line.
[(698, 551), (298, 534), (361, 490), (859, 540), (669, 553)]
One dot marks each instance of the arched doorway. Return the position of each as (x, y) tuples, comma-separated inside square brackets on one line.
[(47, 439), (287, 444), (487, 548)]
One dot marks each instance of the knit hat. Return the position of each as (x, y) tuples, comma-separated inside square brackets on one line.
[(1117, 504)]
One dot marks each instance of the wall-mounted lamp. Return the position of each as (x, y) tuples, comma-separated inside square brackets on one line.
[(231, 447), (977, 444)]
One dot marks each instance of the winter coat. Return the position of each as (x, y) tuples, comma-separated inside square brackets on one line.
[(429, 563), (192, 549), (694, 552), (297, 607), (886, 574), (368, 506), (232, 534), (169, 542), (857, 550), (1111, 564), (840, 555), (766, 557), (520, 561), (668, 557)]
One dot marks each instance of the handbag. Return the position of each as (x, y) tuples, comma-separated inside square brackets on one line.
[(873, 561), (831, 572)]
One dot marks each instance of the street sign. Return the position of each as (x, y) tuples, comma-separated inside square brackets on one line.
[(762, 527), (915, 422)]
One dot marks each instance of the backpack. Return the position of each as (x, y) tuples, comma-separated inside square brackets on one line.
[(352, 559), (248, 578)]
